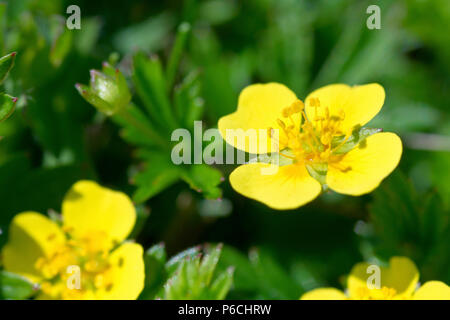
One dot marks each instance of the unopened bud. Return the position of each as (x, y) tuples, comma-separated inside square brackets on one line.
[(108, 90)]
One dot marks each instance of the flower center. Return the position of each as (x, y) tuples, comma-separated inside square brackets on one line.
[(312, 141), (384, 293), (90, 254)]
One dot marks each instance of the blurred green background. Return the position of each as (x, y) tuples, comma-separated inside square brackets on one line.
[(55, 138)]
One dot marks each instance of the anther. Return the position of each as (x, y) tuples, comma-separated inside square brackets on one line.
[(298, 106), (314, 102), (286, 112), (281, 123)]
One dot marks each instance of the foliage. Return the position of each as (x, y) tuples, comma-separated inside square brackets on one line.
[(178, 62), (187, 276)]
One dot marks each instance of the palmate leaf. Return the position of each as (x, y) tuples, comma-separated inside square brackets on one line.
[(150, 83), (151, 129), (160, 173)]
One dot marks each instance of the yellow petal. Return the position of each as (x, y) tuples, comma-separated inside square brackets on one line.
[(401, 275), (127, 274), (359, 103), (324, 294), (362, 169), (290, 187), (89, 208), (433, 290), (259, 107), (31, 236)]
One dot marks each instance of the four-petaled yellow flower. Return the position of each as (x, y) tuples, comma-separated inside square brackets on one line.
[(95, 222), (399, 281), (314, 137)]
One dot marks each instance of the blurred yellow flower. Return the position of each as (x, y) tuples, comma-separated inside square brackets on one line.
[(314, 138), (96, 221), (399, 281)]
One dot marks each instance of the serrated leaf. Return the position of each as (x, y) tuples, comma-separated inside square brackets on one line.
[(150, 83), (158, 174), (204, 179), (189, 106), (177, 51), (13, 286), (135, 123)]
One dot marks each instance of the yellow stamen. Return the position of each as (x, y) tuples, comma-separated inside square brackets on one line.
[(311, 143)]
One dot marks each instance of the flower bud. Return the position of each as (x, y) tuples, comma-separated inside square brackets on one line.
[(108, 90)]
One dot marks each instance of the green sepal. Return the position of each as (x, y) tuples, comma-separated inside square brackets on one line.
[(7, 105), (6, 64), (359, 135)]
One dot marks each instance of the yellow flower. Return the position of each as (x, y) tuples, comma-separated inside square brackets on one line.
[(399, 281), (313, 139), (96, 221)]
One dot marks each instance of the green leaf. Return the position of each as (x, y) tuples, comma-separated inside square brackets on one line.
[(155, 272), (6, 64), (189, 106), (177, 51), (273, 279), (7, 105), (159, 174), (37, 190), (258, 277), (411, 224), (150, 83), (176, 260), (13, 286), (149, 35), (142, 214), (61, 47), (196, 278), (244, 275), (204, 179), (138, 129), (222, 285), (209, 264)]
